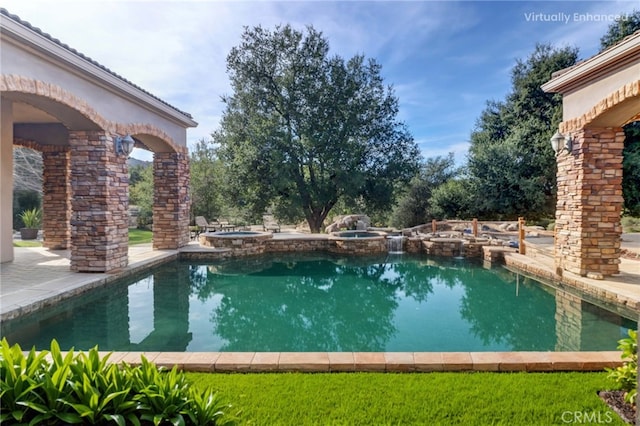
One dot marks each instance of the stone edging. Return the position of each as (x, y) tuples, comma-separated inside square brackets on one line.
[(375, 361)]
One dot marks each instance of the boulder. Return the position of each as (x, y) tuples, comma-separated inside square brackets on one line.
[(352, 221)]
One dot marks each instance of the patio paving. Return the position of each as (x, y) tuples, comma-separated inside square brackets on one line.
[(622, 289), (39, 277)]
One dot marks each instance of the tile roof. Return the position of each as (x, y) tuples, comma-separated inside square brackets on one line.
[(37, 30)]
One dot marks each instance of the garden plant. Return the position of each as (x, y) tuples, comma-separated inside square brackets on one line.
[(52, 388), (627, 374)]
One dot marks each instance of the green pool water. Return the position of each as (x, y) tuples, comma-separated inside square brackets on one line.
[(324, 303)]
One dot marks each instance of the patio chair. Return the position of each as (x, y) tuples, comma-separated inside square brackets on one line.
[(269, 223), (225, 225), (204, 226)]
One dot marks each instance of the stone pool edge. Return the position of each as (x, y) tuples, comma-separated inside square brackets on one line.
[(396, 362)]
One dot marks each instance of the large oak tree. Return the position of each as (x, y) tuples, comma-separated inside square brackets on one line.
[(304, 129)]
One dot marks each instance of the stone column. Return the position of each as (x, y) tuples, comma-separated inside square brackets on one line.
[(100, 191), (589, 206), (56, 198), (171, 200)]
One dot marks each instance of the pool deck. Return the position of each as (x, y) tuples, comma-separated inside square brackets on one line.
[(38, 278)]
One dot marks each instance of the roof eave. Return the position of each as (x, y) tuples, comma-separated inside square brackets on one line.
[(620, 54), (55, 52)]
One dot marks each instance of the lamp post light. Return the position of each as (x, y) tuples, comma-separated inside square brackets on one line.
[(124, 145), (559, 141)]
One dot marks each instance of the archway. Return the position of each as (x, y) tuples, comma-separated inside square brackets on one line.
[(85, 180), (171, 187), (73, 109)]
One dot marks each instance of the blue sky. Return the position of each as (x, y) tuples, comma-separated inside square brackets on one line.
[(445, 59)]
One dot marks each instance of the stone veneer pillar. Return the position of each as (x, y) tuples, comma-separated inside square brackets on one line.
[(56, 197), (171, 200), (589, 206), (99, 187)]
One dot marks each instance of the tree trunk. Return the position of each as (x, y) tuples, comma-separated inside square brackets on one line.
[(315, 220), (315, 224)]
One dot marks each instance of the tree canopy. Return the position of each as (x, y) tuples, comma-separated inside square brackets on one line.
[(304, 129), (415, 206), (207, 181), (622, 27), (511, 165)]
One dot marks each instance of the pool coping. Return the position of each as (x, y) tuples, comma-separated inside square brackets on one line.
[(391, 362)]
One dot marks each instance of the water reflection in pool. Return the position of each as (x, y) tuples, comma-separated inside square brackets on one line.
[(325, 303)]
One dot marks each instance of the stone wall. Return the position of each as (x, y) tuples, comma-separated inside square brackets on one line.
[(413, 245), (297, 245), (100, 200), (238, 245), (358, 246), (171, 200), (589, 203), (56, 198), (264, 243), (447, 247)]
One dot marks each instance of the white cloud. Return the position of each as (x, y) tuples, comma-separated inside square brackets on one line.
[(444, 58)]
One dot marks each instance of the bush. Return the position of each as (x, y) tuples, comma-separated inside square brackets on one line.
[(627, 375), (543, 222), (630, 224), (49, 388), (31, 218), (24, 200)]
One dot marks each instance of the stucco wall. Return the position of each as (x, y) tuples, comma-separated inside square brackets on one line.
[(579, 102), (106, 101)]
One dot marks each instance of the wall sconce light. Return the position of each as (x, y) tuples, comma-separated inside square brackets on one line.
[(558, 141), (124, 145)]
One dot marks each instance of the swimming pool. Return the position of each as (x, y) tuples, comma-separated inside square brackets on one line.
[(323, 302)]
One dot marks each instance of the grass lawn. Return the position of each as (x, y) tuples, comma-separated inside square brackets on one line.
[(27, 243), (410, 399), (139, 236), (136, 236)]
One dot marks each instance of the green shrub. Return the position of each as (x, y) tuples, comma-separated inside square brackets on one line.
[(627, 374), (630, 224), (31, 218), (543, 222), (49, 388), (24, 200)]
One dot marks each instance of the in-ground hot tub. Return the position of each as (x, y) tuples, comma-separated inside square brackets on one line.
[(358, 242), (241, 242)]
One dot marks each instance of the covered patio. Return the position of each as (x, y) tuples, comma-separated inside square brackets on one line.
[(600, 96), (78, 113)]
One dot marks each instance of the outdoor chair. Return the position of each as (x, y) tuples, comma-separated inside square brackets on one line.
[(269, 223), (225, 225), (204, 226)]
